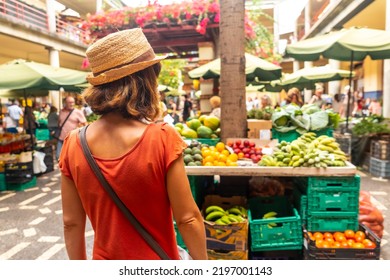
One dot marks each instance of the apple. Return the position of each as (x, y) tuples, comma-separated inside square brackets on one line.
[(252, 152), (236, 151), (238, 142), (247, 156), (246, 143), (245, 150), (234, 146), (241, 146), (252, 144)]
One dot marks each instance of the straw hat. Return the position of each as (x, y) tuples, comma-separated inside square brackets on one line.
[(118, 55)]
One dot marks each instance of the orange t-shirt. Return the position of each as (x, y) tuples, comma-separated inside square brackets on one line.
[(139, 179)]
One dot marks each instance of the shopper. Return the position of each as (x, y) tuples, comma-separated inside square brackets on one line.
[(52, 120), (187, 108), (142, 160), (15, 113), (215, 103), (265, 102), (29, 121), (294, 97), (317, 97), (69, 119), (9, 124)]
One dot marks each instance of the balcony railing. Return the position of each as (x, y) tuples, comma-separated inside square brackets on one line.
[(35, 18)]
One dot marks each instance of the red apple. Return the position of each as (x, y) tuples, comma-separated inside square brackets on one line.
[(247, 155), (238, 142), (252, 152), (236, 151), (241, 146), (252, 144), (246, 143)]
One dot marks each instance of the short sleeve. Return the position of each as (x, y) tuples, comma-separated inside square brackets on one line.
[(173, 143), (63, 164)]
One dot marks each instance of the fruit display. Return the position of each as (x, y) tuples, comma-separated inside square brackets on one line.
[(220, 216), (246, 149), (307, 151), (270, 215), (369, 215), (192, 155), (346, 239), (218, 155), (202, 127)]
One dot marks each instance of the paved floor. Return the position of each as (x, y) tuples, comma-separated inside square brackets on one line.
[(31, 220)]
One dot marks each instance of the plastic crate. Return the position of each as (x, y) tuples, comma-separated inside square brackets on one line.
[(293, 135), (300, 202), (198, 185), (332, 221), (379, 168), (286, 235), (277, 255), (345, 141), (3, 185), (311, 252), (331, 193), (42, 134), (380, 149), (20, 172), (22, 186)]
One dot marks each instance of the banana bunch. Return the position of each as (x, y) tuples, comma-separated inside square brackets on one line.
[(307, 151), (220, 216), (270, 215)]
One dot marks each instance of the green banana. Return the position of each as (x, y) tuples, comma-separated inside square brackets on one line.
[(235, 211), (215, 215), (233, 218), (220, 222), (226, 220), (269, 215), (213, 208)]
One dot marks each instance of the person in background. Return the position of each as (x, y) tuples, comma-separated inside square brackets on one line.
[(265, 101), (87, 110), (142, 160), (337, 103), (366, 105), (52, 120), (375, 107), (76, 119), (215, 103), (187, 108), (317, 97), (9, 124), (294, 96), (249, 104), (15, 113), (163, 110), (173, 111), (29, 121), (344, 107), (256, 103)]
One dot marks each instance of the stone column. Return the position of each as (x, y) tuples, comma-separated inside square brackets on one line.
[(54, 95), (308, 92), (386, 72), (51, 16), (334, 86)]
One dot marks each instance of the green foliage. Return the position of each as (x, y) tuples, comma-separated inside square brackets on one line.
[(171, 74), (260, 114), (371, 125)]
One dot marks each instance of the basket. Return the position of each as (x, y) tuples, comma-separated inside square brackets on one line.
[(379, 168), (311, 252), (287, 232)]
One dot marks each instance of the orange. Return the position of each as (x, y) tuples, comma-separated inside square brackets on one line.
[(240, 155), (208, 159), (220, 163), (349, 233), (220, 146), (318, 236), (360, 234)]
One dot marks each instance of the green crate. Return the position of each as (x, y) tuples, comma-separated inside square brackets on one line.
[(332, 221), (179, 239), (22, 186), (3, 185), (42, 134), (300, 202), (210, 142), (293, 135), (331, 193), (286, 235), (198, 185)]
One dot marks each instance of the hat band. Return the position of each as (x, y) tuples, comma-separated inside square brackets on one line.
[(149, 55)]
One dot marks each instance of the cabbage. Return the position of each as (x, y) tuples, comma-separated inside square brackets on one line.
[(301, 120), (281, 121), (319, 120), (310, 109)]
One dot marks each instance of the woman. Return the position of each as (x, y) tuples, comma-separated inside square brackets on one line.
[(294, 96), (141, 160), (215, 103)]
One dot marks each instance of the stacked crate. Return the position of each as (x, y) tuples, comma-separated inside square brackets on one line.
[(380, 158), (19, 175), (328, 203), (345, 141)]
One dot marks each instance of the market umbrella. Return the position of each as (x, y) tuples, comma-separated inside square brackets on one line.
[(352, 44), (21, 74), (254, 67), (308, 77)]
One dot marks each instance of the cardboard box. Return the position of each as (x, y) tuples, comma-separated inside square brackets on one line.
[(233, 237), (231, 255), (259, 129)]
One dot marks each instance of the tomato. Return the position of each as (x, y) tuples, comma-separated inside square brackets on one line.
[(360, 234), (326, 244), (337, 245), (318, 236), (319, 243), (329, 239), (344, 244), (368, 244), (349, 233), (358, 238), (350, 242), (358, 245), (336, 234)]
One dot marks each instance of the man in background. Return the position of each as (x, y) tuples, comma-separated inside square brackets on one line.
[(15, 113)]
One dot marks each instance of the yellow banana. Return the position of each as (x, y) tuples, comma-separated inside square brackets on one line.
[(215, 215), (213, 208), (269, 215)]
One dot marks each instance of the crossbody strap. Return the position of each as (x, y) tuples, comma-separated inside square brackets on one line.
[(133, 220), (67, 117)]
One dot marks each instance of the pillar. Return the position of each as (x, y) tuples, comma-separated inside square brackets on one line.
[(206, 54), (334, 86), (54, 95), (307, 92), (386, 72), (51, 16)]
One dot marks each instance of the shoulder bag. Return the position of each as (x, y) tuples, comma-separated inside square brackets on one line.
[(133, 220), (57, 132)]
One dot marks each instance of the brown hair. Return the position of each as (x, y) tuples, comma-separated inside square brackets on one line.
[(134, 97)]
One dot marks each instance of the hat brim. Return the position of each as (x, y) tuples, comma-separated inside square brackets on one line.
[(118, 73)]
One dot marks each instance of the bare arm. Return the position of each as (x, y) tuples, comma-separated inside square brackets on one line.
[(185, 211), (74, 219)]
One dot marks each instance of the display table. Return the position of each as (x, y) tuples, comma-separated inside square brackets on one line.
[(348, 170)]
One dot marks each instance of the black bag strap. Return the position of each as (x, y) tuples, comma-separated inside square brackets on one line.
[(133, 220), (67, 117)]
